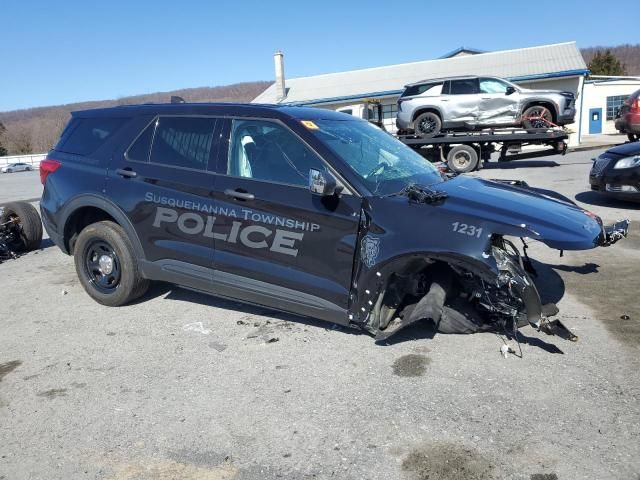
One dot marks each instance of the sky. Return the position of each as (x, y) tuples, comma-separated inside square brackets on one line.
[(62, 52)]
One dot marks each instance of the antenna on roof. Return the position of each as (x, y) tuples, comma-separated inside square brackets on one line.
[(177, 99)]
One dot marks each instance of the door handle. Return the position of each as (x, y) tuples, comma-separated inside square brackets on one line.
[(126, 172), (239, 195)]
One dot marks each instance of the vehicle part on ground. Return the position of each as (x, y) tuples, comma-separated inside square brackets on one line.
[(107, 266), (427, 125), (20, 230), (462, 159)]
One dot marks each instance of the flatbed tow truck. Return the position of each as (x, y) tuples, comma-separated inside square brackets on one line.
[(466, 151)]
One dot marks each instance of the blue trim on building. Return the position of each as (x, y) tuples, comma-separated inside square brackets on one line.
[(360, 96), (616, 79), (565, 73)]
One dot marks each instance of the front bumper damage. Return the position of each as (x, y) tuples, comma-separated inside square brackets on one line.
[(614, 233)]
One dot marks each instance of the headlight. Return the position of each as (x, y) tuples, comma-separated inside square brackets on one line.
[(628, 162)]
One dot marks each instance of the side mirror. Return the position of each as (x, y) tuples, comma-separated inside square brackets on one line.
[(323, 183), (510, 90)]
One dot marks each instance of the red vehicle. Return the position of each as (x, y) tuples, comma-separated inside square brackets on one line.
[(628, 119)]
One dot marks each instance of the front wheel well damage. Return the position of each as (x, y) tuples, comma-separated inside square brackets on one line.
[(455, 295)]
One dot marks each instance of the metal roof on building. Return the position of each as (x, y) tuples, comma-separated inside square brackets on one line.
[(546, 61)]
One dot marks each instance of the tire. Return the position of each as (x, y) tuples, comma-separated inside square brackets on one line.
[(9, 170), (633, 137), (28, 169), (462, 159), (427, 125), (107, 266), (29, 222), (538, 111)]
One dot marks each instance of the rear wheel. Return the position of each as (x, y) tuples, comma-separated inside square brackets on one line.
[(427, 125), (25, 219), (107, 266), (28, 169), (462, 159), (537, 116), (633, 137)]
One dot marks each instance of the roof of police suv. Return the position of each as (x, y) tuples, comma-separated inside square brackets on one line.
[(226, 109)]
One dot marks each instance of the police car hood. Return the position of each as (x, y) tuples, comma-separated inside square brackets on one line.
[(520, 211)]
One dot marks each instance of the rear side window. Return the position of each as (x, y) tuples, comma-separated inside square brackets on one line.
[(426, 89), (139, 151), (183, 142), (86, 135), (464, 87)]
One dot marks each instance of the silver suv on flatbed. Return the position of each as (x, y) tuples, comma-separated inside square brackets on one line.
[(426, 108)]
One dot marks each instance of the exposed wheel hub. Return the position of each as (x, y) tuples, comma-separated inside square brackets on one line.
[(105, 263), (102, 266)]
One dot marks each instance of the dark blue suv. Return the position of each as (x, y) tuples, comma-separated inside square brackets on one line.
[(302, 210)]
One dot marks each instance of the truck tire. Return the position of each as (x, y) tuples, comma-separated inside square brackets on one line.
[(427, 125), (29, 223), (538, 111), (107, 266), (462, 159)]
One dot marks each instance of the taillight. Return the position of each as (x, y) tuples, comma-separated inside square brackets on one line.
[(48, 166), (635, 105), (400, 105)]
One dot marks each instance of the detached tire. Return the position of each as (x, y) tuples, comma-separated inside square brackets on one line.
[(107, 266), (28, 221), (427, 125), (462, 159)]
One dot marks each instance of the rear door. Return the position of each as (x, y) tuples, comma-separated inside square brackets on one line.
[(164, 182), (277, 244), (460, 102), (496, 107)]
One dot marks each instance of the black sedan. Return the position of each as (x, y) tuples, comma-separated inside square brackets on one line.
[(617, 172)]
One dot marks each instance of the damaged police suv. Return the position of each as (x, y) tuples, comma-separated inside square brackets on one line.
[(303, 210)]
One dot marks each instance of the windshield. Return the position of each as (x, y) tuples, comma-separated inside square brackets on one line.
[(382, 162)]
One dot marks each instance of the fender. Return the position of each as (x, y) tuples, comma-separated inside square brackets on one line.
[(92, 200), (369, 282)]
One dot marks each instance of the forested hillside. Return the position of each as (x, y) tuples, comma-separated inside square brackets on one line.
[(35, 130), (628, 54)]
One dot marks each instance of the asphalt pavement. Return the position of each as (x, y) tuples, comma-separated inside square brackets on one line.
[(180, 385)]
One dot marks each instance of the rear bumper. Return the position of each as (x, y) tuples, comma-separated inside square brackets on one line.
[(52, 229), (628, 123)]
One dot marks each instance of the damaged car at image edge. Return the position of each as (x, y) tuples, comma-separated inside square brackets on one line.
[(303, 210)]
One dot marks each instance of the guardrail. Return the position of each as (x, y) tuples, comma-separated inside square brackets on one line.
[(32, 159)]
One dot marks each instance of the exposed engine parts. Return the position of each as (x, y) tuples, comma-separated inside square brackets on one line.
[(458, 298), (20, 230)]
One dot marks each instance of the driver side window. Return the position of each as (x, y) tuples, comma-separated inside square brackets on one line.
[(492, 85), (268, 151)]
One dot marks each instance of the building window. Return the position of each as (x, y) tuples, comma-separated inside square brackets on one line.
[(389, 111), (613, 104)]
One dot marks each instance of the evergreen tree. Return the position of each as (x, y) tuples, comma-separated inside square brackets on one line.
[(606, 63)]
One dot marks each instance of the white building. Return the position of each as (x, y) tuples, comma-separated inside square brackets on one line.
[(558, 66), (601, 100)]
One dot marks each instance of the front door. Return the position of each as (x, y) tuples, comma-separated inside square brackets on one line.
[(496, 107), (277, 244), (164, 182)]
